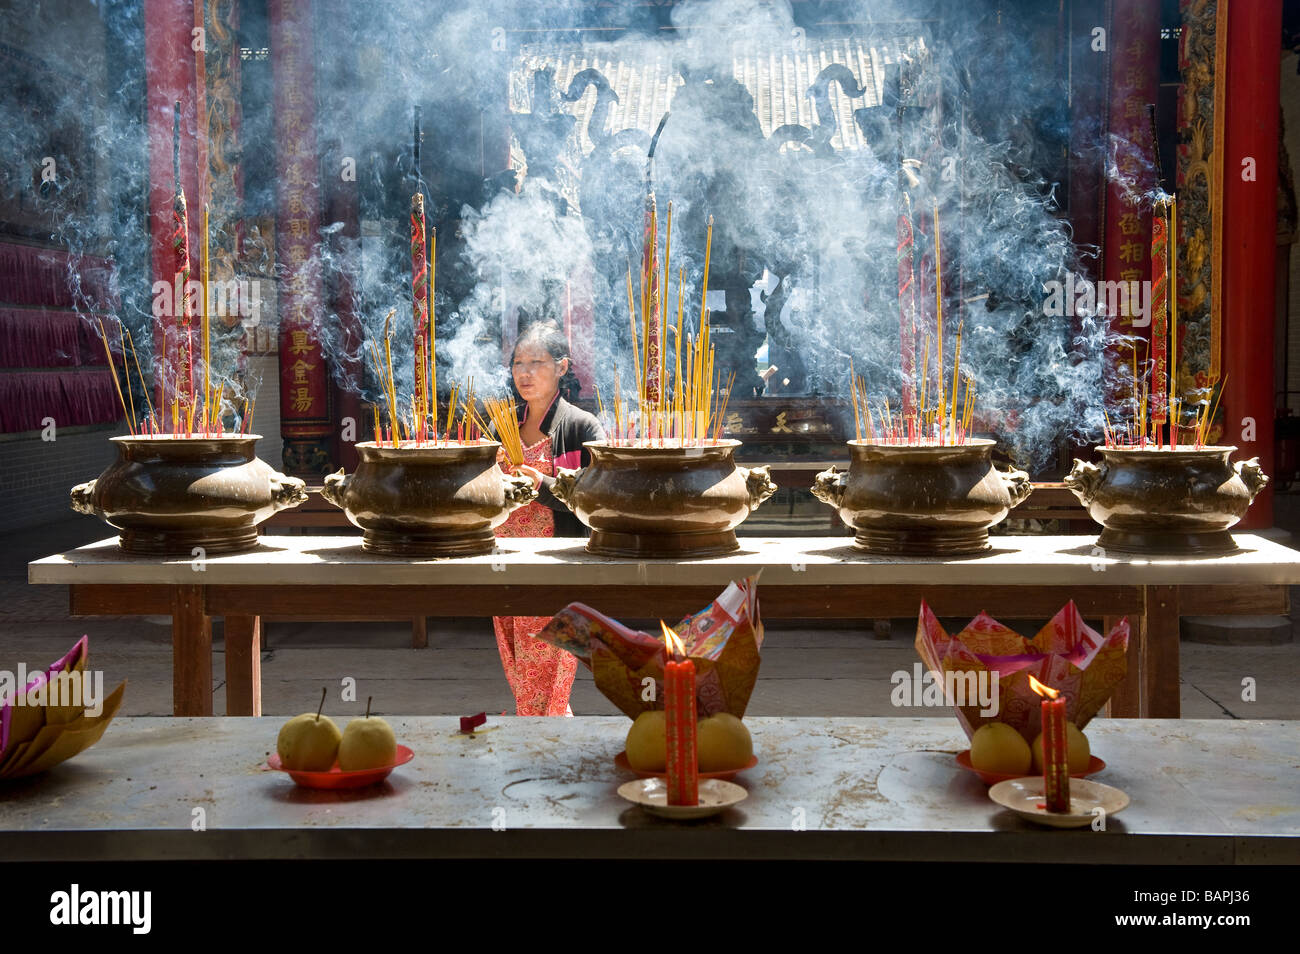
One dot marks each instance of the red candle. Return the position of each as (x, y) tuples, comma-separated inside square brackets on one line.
[(1056, 763), (679, 719)]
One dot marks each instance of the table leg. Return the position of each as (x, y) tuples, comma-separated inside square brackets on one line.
[(191, 652), (419, 632), (1160, 670), (243, 665), (1126, 700)]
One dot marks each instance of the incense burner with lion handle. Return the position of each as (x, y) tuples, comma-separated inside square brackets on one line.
[(169, 495), (428, 500), (922, 500), (646, 501), (1153, 500)]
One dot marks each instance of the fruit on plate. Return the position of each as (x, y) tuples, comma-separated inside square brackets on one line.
[(996, 747), (368, 743), (1079, 752), (309, 742), (647, 750), (722, 743)]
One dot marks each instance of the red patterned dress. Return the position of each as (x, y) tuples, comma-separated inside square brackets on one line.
[(540, 675)]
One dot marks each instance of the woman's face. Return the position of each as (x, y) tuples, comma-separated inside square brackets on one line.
[(537, 375)]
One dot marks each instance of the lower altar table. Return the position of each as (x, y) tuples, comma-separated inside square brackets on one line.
[(1202, 792), (333, 578)]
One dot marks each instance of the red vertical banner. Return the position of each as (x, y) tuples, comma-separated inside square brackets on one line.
[(305, 421), (1134, 54)]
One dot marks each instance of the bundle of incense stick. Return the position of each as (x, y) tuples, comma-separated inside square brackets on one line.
[(684, 404), (1156, 408), (943, 423), (920, 418), (403, 431), (186, 407), (504, 415), (199, 413), (1158, 403)]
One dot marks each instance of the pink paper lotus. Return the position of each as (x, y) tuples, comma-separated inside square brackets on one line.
[(1065, 655)]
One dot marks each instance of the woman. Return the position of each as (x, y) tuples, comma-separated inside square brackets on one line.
[(552, 431)]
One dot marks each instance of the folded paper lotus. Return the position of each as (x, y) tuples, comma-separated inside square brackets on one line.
[(723, 640), (1065, 655), (48, 723)]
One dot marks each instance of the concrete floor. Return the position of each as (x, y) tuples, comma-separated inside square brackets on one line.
[(840, 671)]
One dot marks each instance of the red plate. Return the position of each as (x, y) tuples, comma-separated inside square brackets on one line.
[(1095, 765), (336, 778), (621, 761)]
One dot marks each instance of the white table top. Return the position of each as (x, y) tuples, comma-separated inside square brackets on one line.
[(787, 561), (1202, 791)]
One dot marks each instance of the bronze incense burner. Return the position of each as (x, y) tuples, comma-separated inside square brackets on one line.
[(1157, 501), (428, 500), (922, 499), (168, 494), (663, 501)]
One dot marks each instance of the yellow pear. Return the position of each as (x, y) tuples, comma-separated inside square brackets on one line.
[(1079, 754), (996, 747), (647, 750), (722, 743), (368, 743), (309, 742)]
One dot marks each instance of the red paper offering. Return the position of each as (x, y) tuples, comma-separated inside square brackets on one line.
[(722, 643), (1065, 654)]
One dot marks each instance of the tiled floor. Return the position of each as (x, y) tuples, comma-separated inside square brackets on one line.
[(842, 671)]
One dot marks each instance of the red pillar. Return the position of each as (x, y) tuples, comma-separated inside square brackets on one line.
[(1249, 234)]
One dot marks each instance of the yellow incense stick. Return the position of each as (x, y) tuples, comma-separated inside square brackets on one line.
[(956, 371), (853, 387), (938, 307), (925, 377), (636, 351), (112, 369), (433, 333), (1173, 321), (126, 370), (144, 386), (704, 292), (205, 323), (216, 408)]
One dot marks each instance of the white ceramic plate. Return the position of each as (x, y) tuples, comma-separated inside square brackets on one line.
[(1024, 796), (652, 794)]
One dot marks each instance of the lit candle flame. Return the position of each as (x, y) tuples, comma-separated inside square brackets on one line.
[(676, 648), (1043, 690)]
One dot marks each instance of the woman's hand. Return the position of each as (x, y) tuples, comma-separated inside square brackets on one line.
[(532, 473)]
